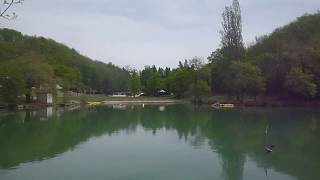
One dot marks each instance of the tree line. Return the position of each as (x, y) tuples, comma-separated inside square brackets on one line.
[(29, 62), (190, 79), (284, 64)]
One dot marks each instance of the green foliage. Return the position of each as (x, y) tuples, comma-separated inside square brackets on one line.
[(24, 73), (300, 84), (244, 79), (179, 82), (190, 79), (68, 77), (205, 73), (285, 62), (279, 54), (11, 88), (218, 70), (153, 84), (232, 47), (152, 80), (135, 83), (231, 40), (71, 69), (198, 90)]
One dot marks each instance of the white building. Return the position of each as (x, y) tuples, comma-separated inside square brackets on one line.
[(45, 98)]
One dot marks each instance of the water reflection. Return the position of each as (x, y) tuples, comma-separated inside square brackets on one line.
[(235, 135), (119, 106), (162, 108)]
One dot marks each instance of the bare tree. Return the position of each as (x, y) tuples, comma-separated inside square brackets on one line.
[(5, 6)]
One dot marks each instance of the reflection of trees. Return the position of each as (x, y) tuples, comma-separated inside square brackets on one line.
[(37, 140), (234, 135), (296, 136)]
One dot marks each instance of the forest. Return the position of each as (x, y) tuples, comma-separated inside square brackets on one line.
[(283, 64), (28, 61)]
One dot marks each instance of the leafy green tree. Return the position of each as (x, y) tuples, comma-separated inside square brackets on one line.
[(135, 84), (179, 81), (300, 84), (198, 90), (190, 79), (24, 74), (11, 87), (36, 74), (200, 79), (153, 84), (244, 79), (71, 69), (291, 46), (152, 81), (205, 74), (68, 77), (218, 71), (232, 47), (231, 40)]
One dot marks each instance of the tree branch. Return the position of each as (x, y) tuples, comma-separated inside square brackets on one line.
[(9, 5)]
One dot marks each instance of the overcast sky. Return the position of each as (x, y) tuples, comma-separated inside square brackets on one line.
[(147, 32)]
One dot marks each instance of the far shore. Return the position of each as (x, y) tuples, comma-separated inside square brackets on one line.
[(146, 102), (99, 99)]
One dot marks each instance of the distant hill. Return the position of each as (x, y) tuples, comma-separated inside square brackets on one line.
[(71, 69), (289, 57)]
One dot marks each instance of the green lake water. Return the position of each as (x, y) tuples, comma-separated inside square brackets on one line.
[(173, 142)]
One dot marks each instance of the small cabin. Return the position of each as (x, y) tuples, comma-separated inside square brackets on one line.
[(45, 98)]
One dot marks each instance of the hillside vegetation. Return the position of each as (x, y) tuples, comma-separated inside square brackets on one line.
[(284, 64), (40, 61), (289, 58)]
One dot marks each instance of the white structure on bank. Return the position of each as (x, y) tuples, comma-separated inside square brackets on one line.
[(45, 98)]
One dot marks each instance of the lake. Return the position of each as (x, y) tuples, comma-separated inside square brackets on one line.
[(154, 142)]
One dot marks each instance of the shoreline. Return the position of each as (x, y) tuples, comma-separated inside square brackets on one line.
[(267, 103), (74, 102), (146, 102), (104, 100)]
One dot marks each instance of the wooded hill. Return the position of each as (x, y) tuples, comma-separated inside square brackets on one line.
[(285, 63), (48, 60), (290, 58)]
